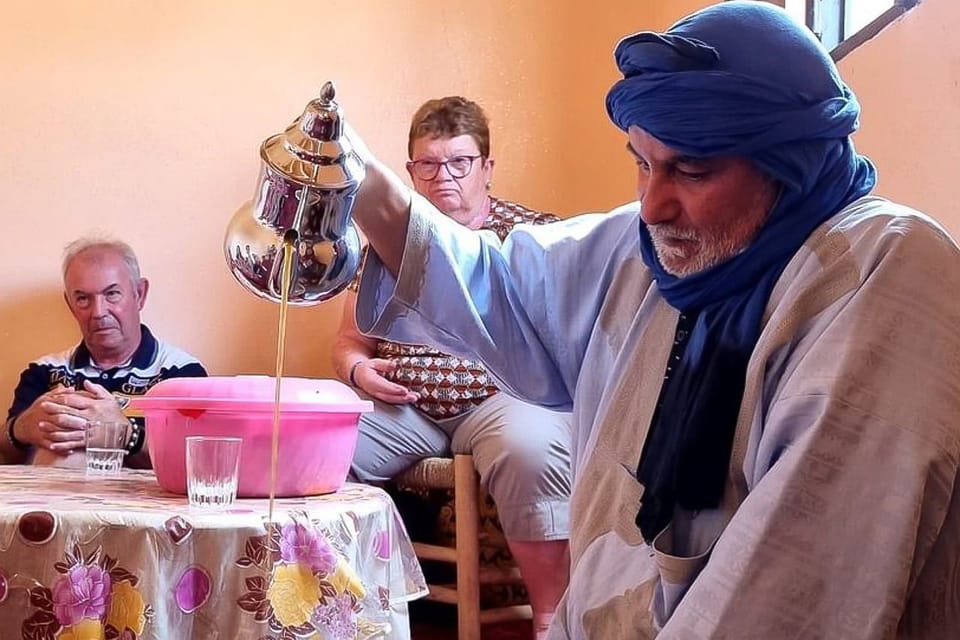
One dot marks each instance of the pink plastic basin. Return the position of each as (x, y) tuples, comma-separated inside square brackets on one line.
[(318, 430)]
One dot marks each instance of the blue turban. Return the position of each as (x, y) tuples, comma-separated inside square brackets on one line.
[(735, 79)]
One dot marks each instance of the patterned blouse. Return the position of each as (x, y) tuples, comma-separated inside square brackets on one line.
[(449, 385)]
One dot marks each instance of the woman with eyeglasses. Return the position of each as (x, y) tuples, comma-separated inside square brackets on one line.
[(429, 403)]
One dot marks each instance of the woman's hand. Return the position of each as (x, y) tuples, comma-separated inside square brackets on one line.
[(370, 376)]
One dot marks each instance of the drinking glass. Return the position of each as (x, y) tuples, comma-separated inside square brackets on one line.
[(213, 465), (106, 442)]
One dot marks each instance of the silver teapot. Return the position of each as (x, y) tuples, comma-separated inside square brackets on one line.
[(309, 178)]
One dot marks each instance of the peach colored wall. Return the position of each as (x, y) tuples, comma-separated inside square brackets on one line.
[(586, 155), (908, 81), (144, 119)]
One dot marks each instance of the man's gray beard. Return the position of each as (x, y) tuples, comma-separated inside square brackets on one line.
[(717, 251)]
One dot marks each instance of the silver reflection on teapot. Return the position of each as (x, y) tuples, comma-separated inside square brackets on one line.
[(309, 178)]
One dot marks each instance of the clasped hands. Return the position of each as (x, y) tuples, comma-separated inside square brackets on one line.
[(57, 420)]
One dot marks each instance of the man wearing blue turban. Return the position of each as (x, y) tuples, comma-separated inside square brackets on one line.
[(762, 358)]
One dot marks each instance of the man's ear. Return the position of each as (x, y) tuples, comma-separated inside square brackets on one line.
[(143, 286)]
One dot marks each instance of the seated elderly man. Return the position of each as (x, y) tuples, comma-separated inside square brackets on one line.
[(118, 358), (430, 402), (761, 355)]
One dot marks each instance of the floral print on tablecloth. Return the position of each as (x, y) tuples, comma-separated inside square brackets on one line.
[(309, 589), (185, 561), (92, 599)]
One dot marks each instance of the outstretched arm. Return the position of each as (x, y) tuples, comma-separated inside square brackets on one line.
[(382, 207), (526, 308)]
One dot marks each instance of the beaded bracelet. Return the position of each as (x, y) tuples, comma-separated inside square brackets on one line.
[(137, 437)]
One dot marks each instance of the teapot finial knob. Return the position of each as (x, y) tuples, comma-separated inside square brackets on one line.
[(328, 92)]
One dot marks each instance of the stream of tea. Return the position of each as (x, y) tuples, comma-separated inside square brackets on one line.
[(289, 249)]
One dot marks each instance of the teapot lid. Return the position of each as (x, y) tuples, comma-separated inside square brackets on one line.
[(313, 150)]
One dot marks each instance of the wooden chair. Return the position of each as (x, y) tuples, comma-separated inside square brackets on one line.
[(459, 474)]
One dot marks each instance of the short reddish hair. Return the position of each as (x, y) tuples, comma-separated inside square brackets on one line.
[(448, 118)]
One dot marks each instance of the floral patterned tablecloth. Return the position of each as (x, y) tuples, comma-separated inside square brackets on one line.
[(90, 558)]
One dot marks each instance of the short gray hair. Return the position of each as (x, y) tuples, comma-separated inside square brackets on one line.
[(121, 248)]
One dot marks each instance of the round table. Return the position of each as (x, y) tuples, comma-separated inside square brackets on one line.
[(85, 558)]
